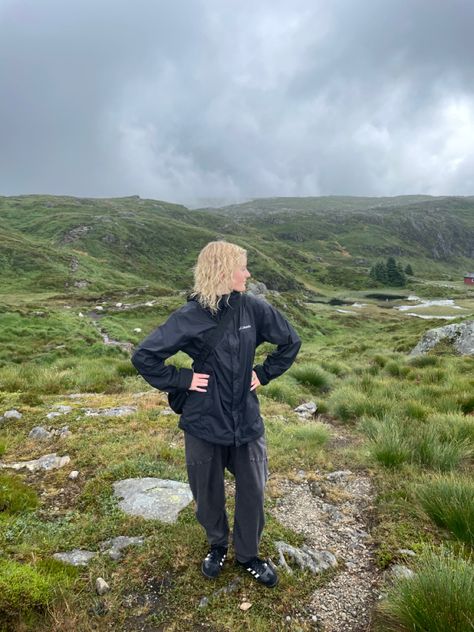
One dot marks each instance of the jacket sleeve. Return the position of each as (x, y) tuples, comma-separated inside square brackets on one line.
[(273, 327), (150, 355)]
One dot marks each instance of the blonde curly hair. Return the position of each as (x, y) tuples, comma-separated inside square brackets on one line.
[(213, 272)]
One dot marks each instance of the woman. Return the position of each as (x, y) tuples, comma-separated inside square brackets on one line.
[(221, 419)]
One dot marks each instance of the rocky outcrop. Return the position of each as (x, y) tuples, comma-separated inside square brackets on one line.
[(460, 335)]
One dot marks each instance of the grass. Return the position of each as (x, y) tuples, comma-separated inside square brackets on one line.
[(27, 590), (396, 440), (412, 416), (15, 495), (449, 502), (439, 598)]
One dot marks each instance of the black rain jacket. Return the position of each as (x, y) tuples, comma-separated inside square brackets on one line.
[(228, 413)]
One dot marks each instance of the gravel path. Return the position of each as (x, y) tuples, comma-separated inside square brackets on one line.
[(333, 513)]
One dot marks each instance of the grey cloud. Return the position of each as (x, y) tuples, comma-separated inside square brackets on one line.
[(198, 99)]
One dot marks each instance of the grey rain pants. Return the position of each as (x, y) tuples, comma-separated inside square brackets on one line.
[(205, 463)]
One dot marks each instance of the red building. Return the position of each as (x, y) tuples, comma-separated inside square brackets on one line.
[(469, 278)]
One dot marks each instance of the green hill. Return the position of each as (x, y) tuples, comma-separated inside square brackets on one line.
[(85, 245)]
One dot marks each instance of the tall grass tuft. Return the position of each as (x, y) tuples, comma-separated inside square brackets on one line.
[(389, 446), (313, 376), (397, 439), (281, 391), (449, 502), (439, 598)]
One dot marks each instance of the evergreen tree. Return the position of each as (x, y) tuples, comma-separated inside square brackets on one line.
[(401, 281), (409, 270), (381, 272), (392, 271)]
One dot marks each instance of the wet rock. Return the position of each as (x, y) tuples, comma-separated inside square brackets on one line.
[(38, 433), (304, 557), (76, 557), (46, 462), (153, 498)]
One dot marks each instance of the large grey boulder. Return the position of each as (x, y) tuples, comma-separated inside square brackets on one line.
[(460, 335), (154, 498)]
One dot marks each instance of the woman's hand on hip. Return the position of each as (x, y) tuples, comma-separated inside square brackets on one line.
[(255, 381), (199, 382)]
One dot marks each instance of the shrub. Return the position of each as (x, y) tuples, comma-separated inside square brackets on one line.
[(449, 502), (439, 598), (16, 496)]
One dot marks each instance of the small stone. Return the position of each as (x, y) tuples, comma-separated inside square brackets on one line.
[(401, 572), (101, 586), (316, 489), (63, 409), (76, 557), (137, 330), (337, 476), (53, 414), (110, 412), (12, 414), (245, 605), (407, 552), (306, 410), (73, 475), (39, 433)]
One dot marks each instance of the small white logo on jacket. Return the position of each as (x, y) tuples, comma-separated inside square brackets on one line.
[(245, 327)]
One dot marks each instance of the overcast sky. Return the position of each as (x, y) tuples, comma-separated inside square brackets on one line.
[(189, 99)]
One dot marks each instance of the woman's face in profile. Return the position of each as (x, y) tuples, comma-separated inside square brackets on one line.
[(241, 274)]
